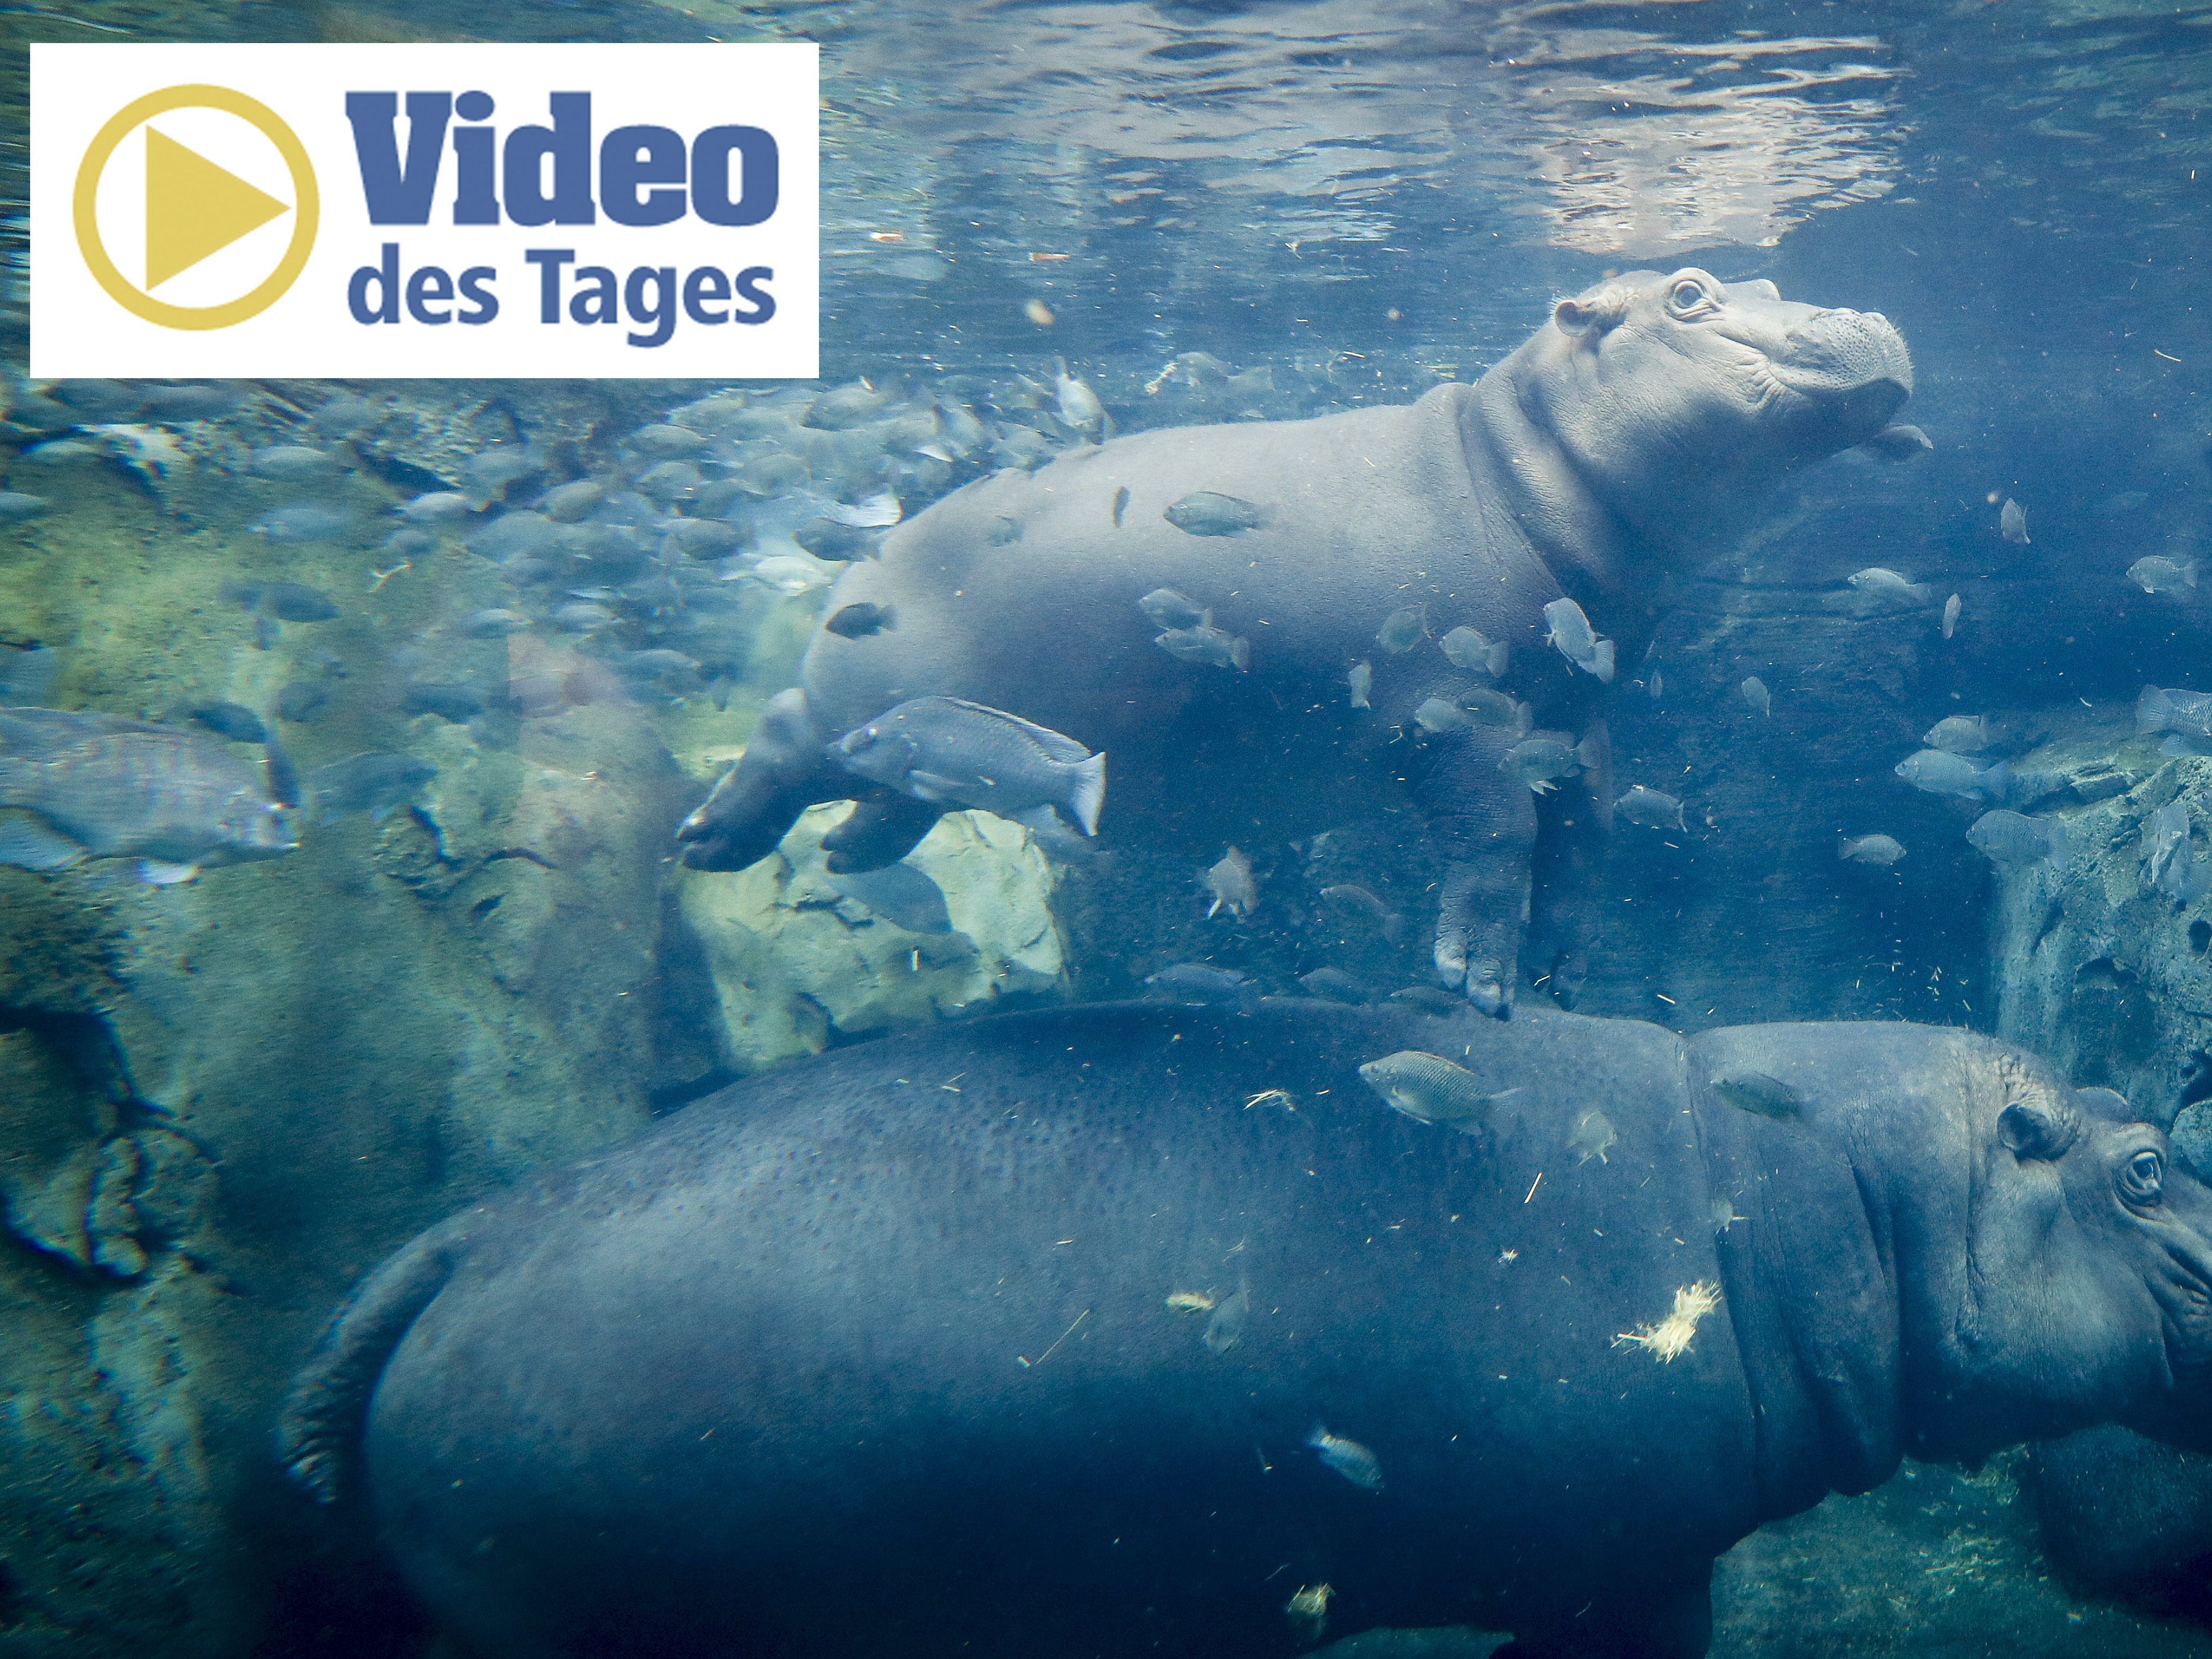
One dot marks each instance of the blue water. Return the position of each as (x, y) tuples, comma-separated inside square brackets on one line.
[(227, 1093)]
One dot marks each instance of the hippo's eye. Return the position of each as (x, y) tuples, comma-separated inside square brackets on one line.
[(1687, 295), (2142, 1176)]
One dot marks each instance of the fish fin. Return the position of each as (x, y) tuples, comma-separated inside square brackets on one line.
[(2189, 572), (155, 873), (31, 845), (1058, 744), (1090, 792), (1604, 653), (934, 786), (1240, 652), (1496, 664), (1211, 908)]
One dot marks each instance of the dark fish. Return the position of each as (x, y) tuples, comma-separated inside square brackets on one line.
[(189, 402), (1756, 1091), (234, 720), (1121, 504), (26, 672), (297, 602), (1194, 981), (283, 777), (1211, 646), (98, 786), (1337, 986), (449, 701), (956, 753), (1207, 513), (494, 624), (15, 507), (301, 699), (899, 893), (373, 782), (857, 621)]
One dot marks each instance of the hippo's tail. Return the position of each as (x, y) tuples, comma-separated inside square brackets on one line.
[(318, 1433)]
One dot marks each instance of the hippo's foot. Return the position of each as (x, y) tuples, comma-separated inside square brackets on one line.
[(880, 831), (1477, 950), (780, 774)]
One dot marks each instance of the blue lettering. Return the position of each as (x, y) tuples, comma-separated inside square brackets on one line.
[(595, 299), (549, 261), (661, 313), (703, 287), (385, 277), (427, 286), (566, 147), (752, 282), (397, 195), (475, 289), (632, 156), (476, 200), (710, 176)]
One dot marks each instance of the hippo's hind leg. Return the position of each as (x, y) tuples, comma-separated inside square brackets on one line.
[(1484, 822), (783, 772), (882, 829)]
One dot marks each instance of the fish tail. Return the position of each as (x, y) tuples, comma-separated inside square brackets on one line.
[(1997, 781), (2152, 708), (1604, 654), (2189, 572), (1240, 652), (1090, 791), (1496, 663), (1320, 1437)]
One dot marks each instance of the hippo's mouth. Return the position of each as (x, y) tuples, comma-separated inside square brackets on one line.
[(2182, 1283), (1850, 366)]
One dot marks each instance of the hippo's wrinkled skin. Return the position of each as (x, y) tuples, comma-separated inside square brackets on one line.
[(1592, 461), (875, 1354)]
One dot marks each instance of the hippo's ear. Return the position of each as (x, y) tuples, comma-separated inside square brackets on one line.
[(1590, 313), (1757, 285), (2038, 1129)]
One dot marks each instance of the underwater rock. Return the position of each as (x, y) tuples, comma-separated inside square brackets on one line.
[(797, 961)]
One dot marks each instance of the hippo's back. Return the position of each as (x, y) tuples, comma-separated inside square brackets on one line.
[(1017, 1332)]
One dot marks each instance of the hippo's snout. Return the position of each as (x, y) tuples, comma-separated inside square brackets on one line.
[(1854, 358)]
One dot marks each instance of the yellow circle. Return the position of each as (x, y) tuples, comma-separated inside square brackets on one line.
[(305, 208)]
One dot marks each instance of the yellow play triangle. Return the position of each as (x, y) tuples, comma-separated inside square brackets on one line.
[(194, 207)]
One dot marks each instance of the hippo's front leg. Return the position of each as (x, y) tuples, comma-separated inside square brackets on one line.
[(1573, 841), (1484, 823)]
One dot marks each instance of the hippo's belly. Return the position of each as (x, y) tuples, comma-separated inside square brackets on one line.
[(1020, 592), (886, 1350)]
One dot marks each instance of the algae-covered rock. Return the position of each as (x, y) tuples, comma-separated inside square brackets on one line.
[(796, 961)]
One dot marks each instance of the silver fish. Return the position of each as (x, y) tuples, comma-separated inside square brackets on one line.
[(2014, 838), (1403, 628), (1885, 589), (2156, 575), (566, 503), (1348, 1458), (1654, 809), (1215, 647), (1225, 1329), (1475, 652), (1537, 761), (1208, 512), (436, 506), (956, 753), (1362, 681), (99, 787), (1755, 692), (1592, 1137), (1940, 773), (876, 512), (1573, 638), (1230, 883), (666, 442), (1435, 714), (1960, 734), (1870, 850), (1170, 609), (1951, 608), (294, 464), (2188, 712), (1430, 1089), (2012, 522), (845, 407), (1487, 706), (1078, 405), (2165, 837)]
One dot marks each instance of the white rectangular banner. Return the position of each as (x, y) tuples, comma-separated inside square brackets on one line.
[(358, 211)]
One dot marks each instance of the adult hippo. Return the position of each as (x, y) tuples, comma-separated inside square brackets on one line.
[(1588, 464), (1019, 1337)]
